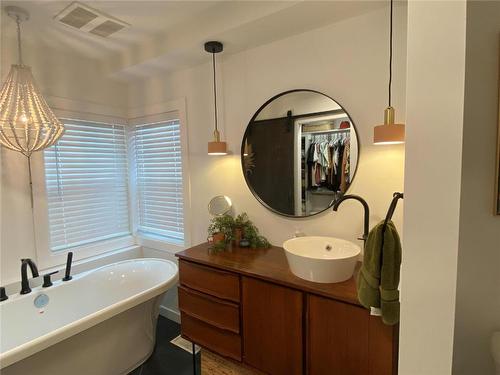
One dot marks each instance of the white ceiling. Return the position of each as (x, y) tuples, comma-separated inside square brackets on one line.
[(146, 17), (169, 35)]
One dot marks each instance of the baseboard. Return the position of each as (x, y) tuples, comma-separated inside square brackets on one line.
[(170, 313)]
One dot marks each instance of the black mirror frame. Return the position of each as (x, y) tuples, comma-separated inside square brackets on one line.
[(243, 148)]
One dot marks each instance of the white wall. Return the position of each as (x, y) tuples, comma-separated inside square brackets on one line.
[(347, 61), (68, 81), (478, 282), (434, 124), (450, 288)]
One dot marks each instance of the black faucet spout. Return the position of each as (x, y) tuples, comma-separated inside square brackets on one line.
[(366, 222), (25, 284)]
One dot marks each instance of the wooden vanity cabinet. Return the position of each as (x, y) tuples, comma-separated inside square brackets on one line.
[(247, 306), (344, 339), (272, 327)]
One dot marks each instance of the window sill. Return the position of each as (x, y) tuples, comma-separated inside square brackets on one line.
[(102, 259), (158, 244), (52, 260)]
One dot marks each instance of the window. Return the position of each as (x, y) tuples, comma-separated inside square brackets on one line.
[(106, 186), (87, 185), (159, 185)]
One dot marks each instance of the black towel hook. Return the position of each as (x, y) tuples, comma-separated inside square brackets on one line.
[(395, 197)]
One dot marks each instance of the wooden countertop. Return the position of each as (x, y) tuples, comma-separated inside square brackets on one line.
[(270, 265)]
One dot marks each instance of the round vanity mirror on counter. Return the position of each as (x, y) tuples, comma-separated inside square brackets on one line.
[(219, 205), (300, 153)]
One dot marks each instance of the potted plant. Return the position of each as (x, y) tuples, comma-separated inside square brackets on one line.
[(221, 229), (240, 222), (245, 228)]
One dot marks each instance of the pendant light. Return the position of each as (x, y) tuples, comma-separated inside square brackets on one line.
[(389, 132), (216, 147), (27, 124)]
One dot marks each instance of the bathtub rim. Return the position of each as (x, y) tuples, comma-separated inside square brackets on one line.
[(40, 343)]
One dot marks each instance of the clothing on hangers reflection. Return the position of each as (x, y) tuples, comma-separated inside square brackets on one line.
[(328, 161)]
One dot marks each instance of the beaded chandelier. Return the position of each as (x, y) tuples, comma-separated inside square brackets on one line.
[(27, 124)]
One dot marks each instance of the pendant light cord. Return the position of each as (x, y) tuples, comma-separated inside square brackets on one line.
[(215, 91), (33, 221), (20, 53), (390, 55)]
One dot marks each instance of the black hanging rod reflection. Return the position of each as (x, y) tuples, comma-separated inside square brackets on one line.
[(310, 114), (326, 131)]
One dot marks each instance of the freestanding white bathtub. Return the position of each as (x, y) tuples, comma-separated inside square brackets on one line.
[(101, 322)]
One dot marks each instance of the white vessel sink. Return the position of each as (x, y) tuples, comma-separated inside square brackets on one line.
[(321, 259)]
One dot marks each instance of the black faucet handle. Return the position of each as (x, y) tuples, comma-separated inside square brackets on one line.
[(67, 275), (3, 295), (46, 279)]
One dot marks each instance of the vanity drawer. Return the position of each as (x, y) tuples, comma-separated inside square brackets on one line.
[(222, 314), (222, 342), (208, 280)]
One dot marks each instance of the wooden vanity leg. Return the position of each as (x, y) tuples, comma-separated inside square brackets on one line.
[(194, 358)]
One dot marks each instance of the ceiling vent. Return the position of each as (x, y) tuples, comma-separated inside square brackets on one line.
[(90, 20)]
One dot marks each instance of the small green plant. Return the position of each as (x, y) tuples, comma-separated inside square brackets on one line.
[(222, 224), (242, 220), (227, 225), (250, 232)]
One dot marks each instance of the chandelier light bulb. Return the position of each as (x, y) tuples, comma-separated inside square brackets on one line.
[(23, 119)]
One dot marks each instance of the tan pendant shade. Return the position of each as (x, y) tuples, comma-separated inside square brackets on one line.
[(389, 133), (27, 124), (217, 147)]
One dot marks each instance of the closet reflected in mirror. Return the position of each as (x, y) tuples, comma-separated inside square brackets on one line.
[(299, 153)]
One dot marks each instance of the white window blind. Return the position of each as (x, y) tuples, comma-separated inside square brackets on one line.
[(158, 167), (86, 180)]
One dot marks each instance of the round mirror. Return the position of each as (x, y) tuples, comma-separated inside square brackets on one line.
[(299, 153), (219, 205)]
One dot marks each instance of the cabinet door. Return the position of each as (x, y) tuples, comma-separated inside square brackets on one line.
[(272, 327), (344, 339)]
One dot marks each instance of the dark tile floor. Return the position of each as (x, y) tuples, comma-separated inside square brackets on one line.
[(168, 359)]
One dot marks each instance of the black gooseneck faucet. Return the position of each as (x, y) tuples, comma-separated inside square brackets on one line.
[(25, 284), (365, 206)]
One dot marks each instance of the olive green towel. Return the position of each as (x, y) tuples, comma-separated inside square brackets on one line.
[(378, 279)]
